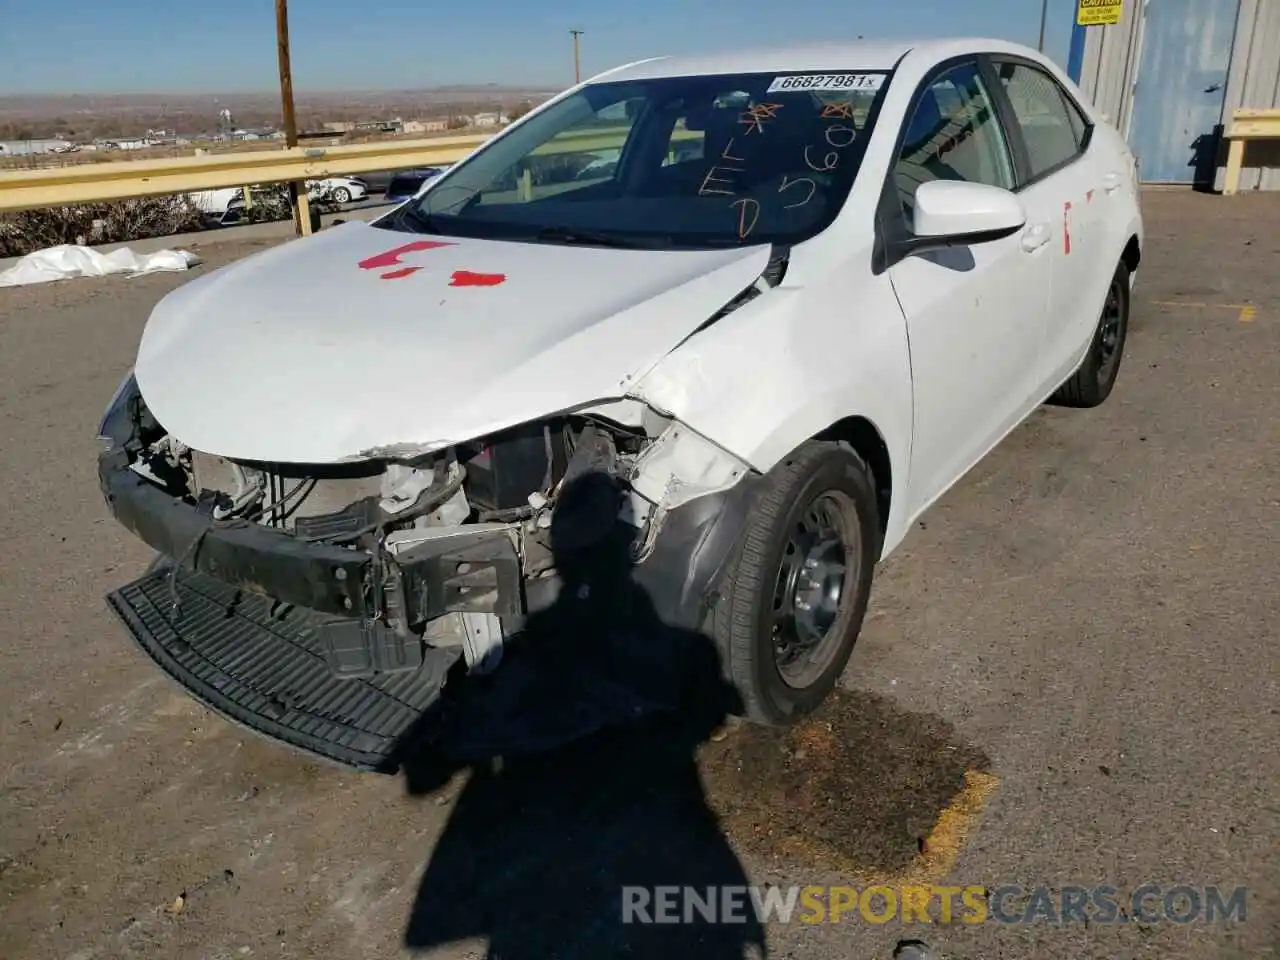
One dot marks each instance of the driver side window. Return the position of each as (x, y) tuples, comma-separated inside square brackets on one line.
[(582, 155), (953, 134)]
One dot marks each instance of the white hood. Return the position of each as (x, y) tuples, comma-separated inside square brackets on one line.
[(320, 351)]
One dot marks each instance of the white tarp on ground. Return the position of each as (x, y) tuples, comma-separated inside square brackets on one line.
[(69, 260)]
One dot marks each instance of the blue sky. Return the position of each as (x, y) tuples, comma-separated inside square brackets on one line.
[(83, 46)]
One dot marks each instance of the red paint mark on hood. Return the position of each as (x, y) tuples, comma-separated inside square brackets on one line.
[(466, 278), (391, 258)]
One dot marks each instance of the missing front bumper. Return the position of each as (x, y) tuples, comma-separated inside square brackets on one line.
[(467, 572), (276, 633)]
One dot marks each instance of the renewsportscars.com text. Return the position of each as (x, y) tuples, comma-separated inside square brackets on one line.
[(1149, 903)]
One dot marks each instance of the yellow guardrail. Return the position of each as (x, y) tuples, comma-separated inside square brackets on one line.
[(120, 180), (1247, 125)]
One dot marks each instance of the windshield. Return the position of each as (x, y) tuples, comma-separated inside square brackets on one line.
[(705, 161)]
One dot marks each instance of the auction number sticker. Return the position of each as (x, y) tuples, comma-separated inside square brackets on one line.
[(827, 81)]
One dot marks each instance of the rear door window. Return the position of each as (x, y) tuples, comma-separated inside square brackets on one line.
[(1054, 129)]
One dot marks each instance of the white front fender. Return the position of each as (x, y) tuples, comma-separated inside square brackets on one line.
[(789, 365)]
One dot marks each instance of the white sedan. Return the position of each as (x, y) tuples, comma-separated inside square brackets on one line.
[(713, 389), (338, 189)]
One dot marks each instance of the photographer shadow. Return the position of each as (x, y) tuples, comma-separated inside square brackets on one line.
[(582, 793)]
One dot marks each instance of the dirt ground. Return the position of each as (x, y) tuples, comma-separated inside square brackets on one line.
[(1068, 677)]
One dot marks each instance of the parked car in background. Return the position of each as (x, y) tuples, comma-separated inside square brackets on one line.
[(405, 184), (215, 204), (338, 189)]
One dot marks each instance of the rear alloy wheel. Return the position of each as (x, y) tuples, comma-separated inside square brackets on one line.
[(1092, 383), (341, 195), (795, 594)]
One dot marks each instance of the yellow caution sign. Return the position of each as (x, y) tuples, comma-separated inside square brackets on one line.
[(1099, 13)]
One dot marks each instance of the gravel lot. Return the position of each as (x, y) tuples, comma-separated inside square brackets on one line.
[(1086, 627)]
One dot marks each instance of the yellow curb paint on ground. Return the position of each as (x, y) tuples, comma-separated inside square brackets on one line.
[(939, 850), (955, 824), (1247, 314), (1199, 304)]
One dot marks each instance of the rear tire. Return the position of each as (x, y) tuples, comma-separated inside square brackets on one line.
[(795, 593), (1093, 381)]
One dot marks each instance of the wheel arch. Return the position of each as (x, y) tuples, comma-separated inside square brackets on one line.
[(865, 439), (1132, 255)]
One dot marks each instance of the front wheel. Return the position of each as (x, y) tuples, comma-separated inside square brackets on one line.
[(341, 195), (1093, 381), (796, 591)]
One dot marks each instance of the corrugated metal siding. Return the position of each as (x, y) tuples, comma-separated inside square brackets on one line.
[(1254, 83), (1110, 64)]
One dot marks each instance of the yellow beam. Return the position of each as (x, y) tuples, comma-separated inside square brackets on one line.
[(97, 182)]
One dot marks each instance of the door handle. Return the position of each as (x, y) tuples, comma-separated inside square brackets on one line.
[(1112, 182), (1036, 236)]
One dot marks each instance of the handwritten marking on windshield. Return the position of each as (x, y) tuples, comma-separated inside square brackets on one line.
[(466, 278), (754, 118), (706, 190), (726, 155), (788, 183), (839, 110), (391, 258), (745, 226), (839, 132), (831, 159)]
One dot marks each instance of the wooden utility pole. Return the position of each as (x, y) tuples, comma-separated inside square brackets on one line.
[(577, 60), (297, 191)]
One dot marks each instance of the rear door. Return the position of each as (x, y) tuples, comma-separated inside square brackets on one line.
[(1061, 178), (974, 314)]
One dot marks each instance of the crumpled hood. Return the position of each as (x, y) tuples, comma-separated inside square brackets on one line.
[(338, 348)]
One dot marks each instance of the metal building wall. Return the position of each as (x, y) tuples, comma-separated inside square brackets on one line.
[(1254, 82), (1108, 64)]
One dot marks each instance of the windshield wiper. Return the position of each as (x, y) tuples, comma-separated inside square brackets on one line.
[(592, 239)]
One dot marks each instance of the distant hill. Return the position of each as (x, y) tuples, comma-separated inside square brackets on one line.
[(132, 114)]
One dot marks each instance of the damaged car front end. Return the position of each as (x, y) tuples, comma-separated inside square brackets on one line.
[(358, 454), (324, 606)]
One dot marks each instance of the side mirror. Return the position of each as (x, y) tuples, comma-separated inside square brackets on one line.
[(958, 213)]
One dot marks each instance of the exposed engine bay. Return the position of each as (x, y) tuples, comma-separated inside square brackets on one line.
[(472, 521)]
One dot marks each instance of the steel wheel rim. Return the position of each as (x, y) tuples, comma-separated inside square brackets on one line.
[(1110, 331), (815, 587)]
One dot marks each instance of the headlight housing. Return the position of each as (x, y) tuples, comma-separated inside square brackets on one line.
[(118, 405)]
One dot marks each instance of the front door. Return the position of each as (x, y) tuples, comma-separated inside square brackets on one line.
[(975, 315), (1181, 84)]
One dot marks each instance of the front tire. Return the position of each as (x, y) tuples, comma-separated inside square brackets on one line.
[(342, 195), (796, 591), (1092, 383)]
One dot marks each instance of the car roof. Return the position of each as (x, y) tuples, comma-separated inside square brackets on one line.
[(418, 172), (843, 56)]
